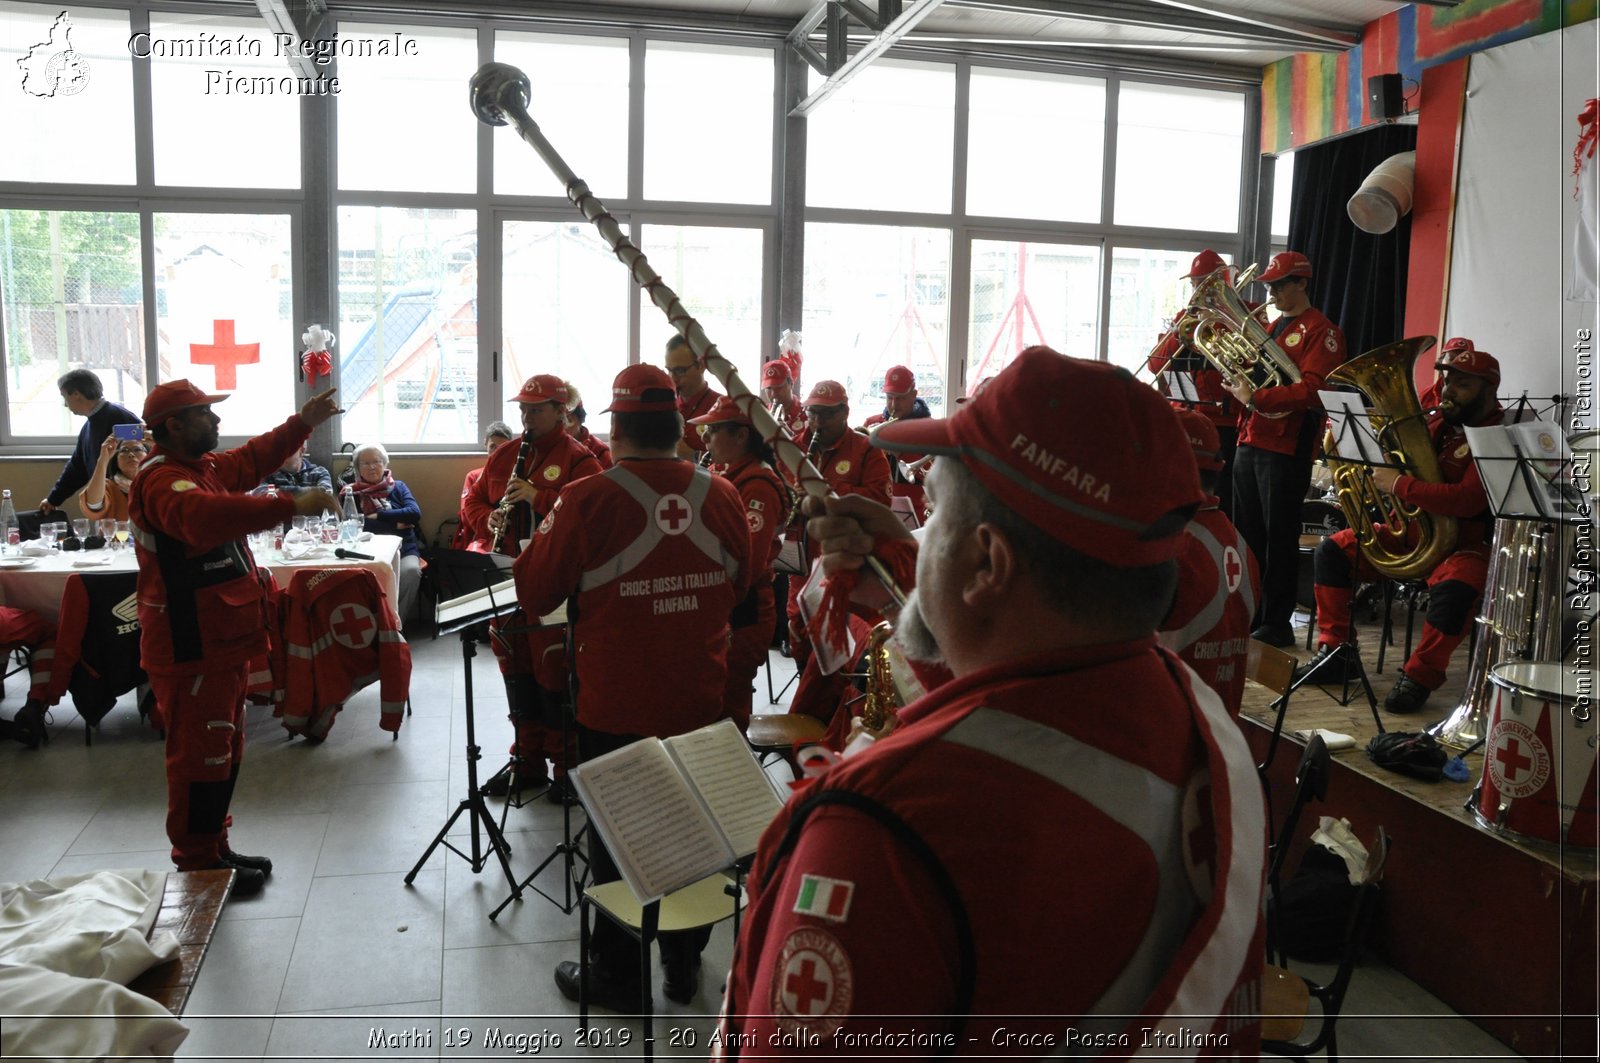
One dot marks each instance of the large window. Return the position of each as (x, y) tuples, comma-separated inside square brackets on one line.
[(561, 70), (1013, 171), (885, 140), (70, 282), (224, 312), (717, 275), (876, 296), (408, 324), (565, 310), (1148, 288), (68, 99), (1030, 293), (1169, 139), (708, 123)]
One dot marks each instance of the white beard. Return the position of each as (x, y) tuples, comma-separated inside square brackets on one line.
[(912, 634)]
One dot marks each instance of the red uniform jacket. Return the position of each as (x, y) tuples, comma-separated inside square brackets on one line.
[(655, 553), (465, 532), (201, 603), (1215, 402), (339, 634), (766, 503), (1316, 345), (596, 445), (792, 415), (1218, 587), (852, 466), (698, 407), (555, 461), (1461, 495), (1105, 908)]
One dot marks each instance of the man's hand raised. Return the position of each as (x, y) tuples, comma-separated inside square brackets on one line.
[(315, 502), (319, 408), (844, 530)]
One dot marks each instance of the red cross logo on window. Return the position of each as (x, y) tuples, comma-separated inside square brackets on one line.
[(673, 514), (1232, 568), (803, 991), (1512, 760), (352, 626), (224, 354)]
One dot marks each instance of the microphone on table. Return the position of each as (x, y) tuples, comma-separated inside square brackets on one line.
[(352, 555)]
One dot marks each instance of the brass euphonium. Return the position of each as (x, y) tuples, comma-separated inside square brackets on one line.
[(1400, 540), (1232, 338)]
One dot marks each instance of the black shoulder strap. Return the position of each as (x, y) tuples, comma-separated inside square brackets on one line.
[(967, 964)]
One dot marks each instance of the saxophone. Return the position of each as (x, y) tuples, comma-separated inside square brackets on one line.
[(506, 505), (883, 697)]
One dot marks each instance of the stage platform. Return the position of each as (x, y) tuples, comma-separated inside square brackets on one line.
[(1505, 932)]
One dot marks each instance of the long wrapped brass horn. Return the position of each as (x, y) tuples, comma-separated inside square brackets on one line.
[(1400, 540), (499, 95), (1233, 339)]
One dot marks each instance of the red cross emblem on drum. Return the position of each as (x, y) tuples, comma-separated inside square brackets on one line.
[(1232, 568), (812, 985), (673, 514), (352, 626), (1518, 762)]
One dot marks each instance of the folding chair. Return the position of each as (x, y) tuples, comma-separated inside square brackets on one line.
[(1310, 782)]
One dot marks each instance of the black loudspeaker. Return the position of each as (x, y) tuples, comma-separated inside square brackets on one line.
[(1385, 97)]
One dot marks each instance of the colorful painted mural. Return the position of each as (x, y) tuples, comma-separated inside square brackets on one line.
[(1310, 97)]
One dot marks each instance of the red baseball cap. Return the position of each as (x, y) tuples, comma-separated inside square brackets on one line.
[(1205, 263), (543, 388), (1203, 439), (1285, 264), (775, 373), (630, 391), (173, 397), (827, 393), (1457, 343), (1471, 361), (1081, 449), (899, 380), (725, 411)]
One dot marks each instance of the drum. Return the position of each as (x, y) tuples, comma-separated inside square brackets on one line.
[(1539, 781), (1318, 517)]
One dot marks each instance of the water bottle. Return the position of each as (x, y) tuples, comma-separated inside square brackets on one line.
[(350, 526), (10, 533)]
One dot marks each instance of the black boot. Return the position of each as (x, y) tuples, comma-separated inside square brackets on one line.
[(257, 863), (28, 725)]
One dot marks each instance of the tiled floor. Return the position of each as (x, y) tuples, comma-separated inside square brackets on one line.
[(338, 947)]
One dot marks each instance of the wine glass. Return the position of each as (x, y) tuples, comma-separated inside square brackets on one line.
[(47, 534), (108, 531), (123, 528), (80, 528)]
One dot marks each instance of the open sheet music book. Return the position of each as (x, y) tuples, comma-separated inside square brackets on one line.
[(672, 812), (477, 602)]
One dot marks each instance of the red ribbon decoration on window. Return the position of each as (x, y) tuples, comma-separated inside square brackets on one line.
[(316, 364)]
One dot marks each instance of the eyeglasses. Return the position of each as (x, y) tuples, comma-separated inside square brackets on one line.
[(822, 413)]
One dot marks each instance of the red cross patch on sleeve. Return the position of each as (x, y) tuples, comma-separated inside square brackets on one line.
[(811, 984)]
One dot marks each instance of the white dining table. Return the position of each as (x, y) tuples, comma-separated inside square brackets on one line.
[(36, 582)]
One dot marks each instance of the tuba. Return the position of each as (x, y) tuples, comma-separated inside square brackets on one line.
[(1232, 338), (1400, 540)]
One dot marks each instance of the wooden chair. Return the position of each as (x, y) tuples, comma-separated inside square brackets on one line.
[(775, 733), (1273, 669), (1286, 997)]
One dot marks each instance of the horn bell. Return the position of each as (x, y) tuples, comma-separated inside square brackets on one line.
[(496, 90)]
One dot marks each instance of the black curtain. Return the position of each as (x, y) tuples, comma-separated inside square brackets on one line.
[(1360, 279)]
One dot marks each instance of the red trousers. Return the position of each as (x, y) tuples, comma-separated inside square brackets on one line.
[(1454, 588), (22, 627), (534, 667), (204, 716), (747, 651)]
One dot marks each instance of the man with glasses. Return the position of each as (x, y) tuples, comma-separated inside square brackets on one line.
[(1277, 440), (695, 396)]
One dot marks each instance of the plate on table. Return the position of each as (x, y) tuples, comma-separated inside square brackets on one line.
[(18, 562)]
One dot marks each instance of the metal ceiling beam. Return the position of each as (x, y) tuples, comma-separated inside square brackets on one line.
[(1089, 43), (1339, 37), (913, 13), (1154, 14)]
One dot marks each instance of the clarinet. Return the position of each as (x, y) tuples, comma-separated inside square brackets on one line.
[(506, 505)]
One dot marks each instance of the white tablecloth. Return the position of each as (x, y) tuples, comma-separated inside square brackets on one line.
[(39, 585)]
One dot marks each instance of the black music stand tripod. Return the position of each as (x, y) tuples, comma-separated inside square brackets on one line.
[(457, 570)]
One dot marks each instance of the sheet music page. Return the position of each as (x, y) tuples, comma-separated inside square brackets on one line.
[(1354, 438), (658, 831), (504, 593), (1494, 453), (739, 795)]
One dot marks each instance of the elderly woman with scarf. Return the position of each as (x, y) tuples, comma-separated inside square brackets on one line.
[(387, 508)]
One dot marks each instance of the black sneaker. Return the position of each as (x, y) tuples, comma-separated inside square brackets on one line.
[(1328, 666), (247, 881), (603, 992), (1279, 635), (507, 781), (561, 793), (1407, 696), (258, 863), (28, 725), (682, 981)]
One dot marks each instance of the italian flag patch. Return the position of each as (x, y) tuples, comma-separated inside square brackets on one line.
[(825, 898)]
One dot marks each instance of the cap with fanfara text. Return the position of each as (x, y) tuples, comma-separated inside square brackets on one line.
[(1203, 439), (642, 389), (1080, 449)]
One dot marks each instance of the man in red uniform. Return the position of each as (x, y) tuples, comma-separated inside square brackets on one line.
[(25, 629), (850, 465), (739, 452), (906, 471), (201, 603), (1209, 623), (1281, 428), (1468, 385), (1215, 403), (695, 395), (532, 663), (777, 389), (1069, 831), (654, 553)]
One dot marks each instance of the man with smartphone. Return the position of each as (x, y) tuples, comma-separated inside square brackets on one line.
[(82, 393)]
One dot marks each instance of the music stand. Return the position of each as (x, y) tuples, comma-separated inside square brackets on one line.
[(478, 593)]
